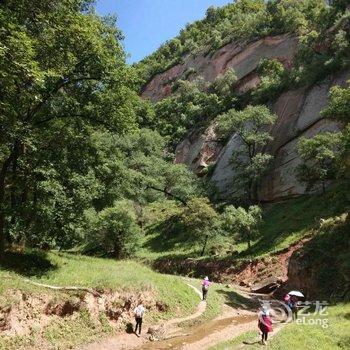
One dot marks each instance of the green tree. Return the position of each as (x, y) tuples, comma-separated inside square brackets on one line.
[(319, 155), (241, 222), (248, 160), (201, 219), (339, 104), (190, 106), (62, 71), (223, 87), (117, 230), (272, 75), (339, 108)]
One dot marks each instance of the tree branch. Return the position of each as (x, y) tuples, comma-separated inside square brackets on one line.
[(91, 119), (168, 194), (59, 84)]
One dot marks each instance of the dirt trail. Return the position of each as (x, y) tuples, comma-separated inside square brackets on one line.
[(125, 341), (199, 311), (209, 333), (231, 323)]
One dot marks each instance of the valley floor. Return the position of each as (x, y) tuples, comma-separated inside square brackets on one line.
[(309, 229), (34, 317)]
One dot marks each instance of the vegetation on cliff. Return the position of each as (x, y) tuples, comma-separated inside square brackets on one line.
[(241, 21)]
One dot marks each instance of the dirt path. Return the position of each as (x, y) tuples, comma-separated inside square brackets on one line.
[(125, 341), (199, 311), (232, 322)]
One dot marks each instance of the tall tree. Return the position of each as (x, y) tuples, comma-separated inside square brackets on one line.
[(201, 219), (319, 155), (241, 222), (249, 161), (339, 108), (62, 70)]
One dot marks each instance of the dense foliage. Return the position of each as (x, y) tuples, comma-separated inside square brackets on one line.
[(194, 104), (243, 20), (82, 155), (326, 156), (242, 223), (69, 139), (319, 155), (200, 219)]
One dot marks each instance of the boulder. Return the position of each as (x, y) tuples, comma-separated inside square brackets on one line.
[(265, 287)]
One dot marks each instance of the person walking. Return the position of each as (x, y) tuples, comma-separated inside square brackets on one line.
[(205, 287), (139, 312), (289, 306), (294, 306), (264, 323)]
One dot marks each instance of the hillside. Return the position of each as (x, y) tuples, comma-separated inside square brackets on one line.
[(289, 252), (297, 101), (32, 314), (225, 153)]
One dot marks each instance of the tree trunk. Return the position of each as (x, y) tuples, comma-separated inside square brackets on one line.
[(323, 187), (13, 196), (168, 194), (3, 173), (205, 244)]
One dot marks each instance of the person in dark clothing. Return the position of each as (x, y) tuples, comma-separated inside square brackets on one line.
[(138, 312), (294, 307)]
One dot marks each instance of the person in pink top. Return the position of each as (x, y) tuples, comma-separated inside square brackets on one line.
[(205, 287), (265, 323)]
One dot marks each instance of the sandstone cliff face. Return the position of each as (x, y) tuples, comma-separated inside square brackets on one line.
[(243, 58), (298, 114), (199, 149)]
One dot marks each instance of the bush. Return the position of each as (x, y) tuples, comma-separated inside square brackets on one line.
[(201, 219), (116, 231)]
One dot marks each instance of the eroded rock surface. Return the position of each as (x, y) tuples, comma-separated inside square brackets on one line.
[(242, 57), (298, 114)]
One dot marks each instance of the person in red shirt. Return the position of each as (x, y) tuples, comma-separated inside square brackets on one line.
[(265, 323)]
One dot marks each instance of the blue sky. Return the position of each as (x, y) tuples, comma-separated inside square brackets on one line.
[(146, 24)]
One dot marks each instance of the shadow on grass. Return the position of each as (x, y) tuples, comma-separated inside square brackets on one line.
[(328, 253), (171, 234), (129, 328), (289, 221), (33, 263), (236, 300), (251, 342)]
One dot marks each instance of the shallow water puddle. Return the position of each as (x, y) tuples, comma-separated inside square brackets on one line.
[(198, 332)]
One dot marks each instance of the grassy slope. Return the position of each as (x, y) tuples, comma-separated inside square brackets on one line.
[(64, 269), (219, 295), (284, 224), (306, 336)]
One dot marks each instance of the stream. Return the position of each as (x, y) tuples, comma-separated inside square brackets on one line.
[(199, 332)]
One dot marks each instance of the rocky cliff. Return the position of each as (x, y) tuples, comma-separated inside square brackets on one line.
[(298, 113)]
